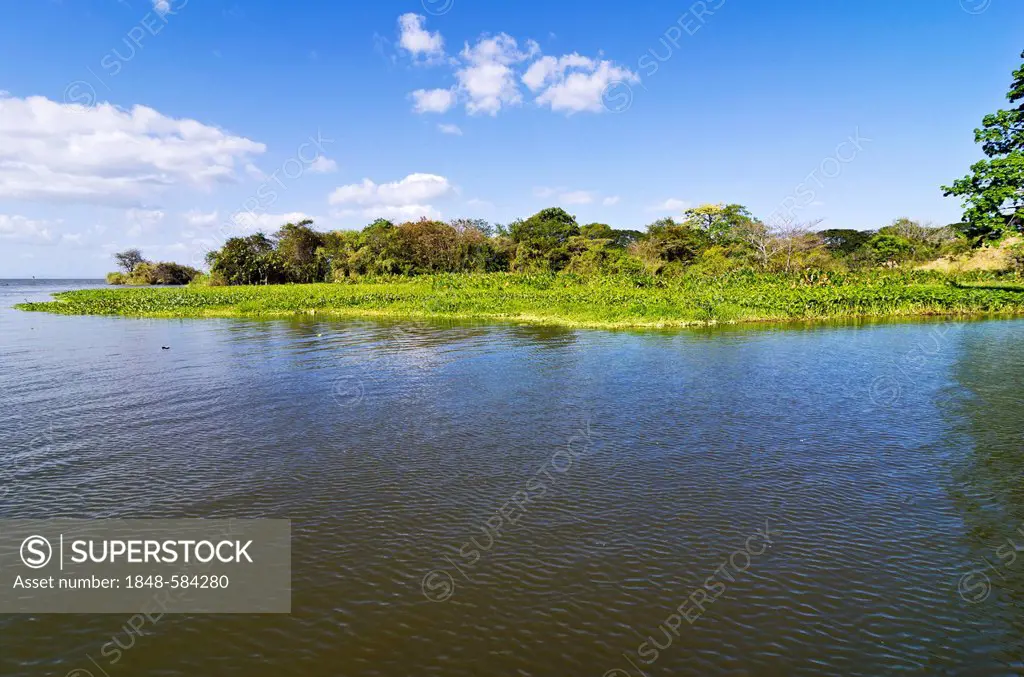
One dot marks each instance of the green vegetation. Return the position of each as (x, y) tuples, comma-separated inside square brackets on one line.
[(718, 263), (136, 270), (993, 193), (640, 300)]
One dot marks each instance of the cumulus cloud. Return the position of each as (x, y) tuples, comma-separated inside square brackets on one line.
[(579, 84), (413, 189), (406, 199), (486, 76), (670, 205), (548, 69), (393, 212), (23, 230), (432, 100), (454, 130), (417, 40), (109, 156), (323, 165), (488, 73), (267, 223), (610, 200)]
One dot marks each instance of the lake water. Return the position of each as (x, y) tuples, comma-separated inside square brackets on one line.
[(843, 495)]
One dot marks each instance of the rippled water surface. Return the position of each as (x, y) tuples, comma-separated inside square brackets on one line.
[(504, 500)]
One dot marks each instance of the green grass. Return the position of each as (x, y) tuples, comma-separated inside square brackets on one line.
[(567, 300)]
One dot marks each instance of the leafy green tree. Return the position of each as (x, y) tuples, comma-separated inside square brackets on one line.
[(720, 222), (248, 260), (597, 231), (844, 241), (547, 229), (673, 242), (993, 193), (888, 248), (297, 245), (129, 259)]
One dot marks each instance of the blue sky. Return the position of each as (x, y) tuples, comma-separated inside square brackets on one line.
[(170, 124)]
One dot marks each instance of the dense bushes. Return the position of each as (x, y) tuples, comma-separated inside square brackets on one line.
[(139, 271), (710, 240)]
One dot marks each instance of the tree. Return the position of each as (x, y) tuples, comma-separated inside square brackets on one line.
[(128, 260), (597, 231), (297, 245), (783, 240), (844, 240), (993, 193), (889, 249), (794, 239), (673, 242), (719, 221), (248, 260), (547, 229)]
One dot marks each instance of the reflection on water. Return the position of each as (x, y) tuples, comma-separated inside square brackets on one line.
[(477, 499)]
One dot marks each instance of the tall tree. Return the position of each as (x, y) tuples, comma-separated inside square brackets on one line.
[(297, 245), (129, 259), (993, 193)]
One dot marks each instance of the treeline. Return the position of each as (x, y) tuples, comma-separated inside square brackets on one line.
[(710, 239), (136, 270)]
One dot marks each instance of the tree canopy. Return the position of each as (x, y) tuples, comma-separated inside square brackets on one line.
[(993, 193)]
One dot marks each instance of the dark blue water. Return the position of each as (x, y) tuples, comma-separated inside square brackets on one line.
[(474, 499)]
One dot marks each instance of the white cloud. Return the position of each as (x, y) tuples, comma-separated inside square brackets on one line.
[(487, 78), (576, 197), (267, 223), (610, 200), (548, 69), (404, 200), (22, 229), (142, 220), (479, 204), (417, 40), (198, 218), (577, 83), (323, 165), (413, 190), (432, 100), (488, 73), (450, 129), (392, 212), (110, 156), (545, 191), (670, 205)]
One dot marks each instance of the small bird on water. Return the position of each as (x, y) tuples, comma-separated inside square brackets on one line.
[(165, 347)]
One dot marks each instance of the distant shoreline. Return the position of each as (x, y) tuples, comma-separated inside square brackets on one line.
[(601, 302)]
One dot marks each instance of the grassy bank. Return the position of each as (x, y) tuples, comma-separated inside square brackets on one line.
[(567, 300)]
